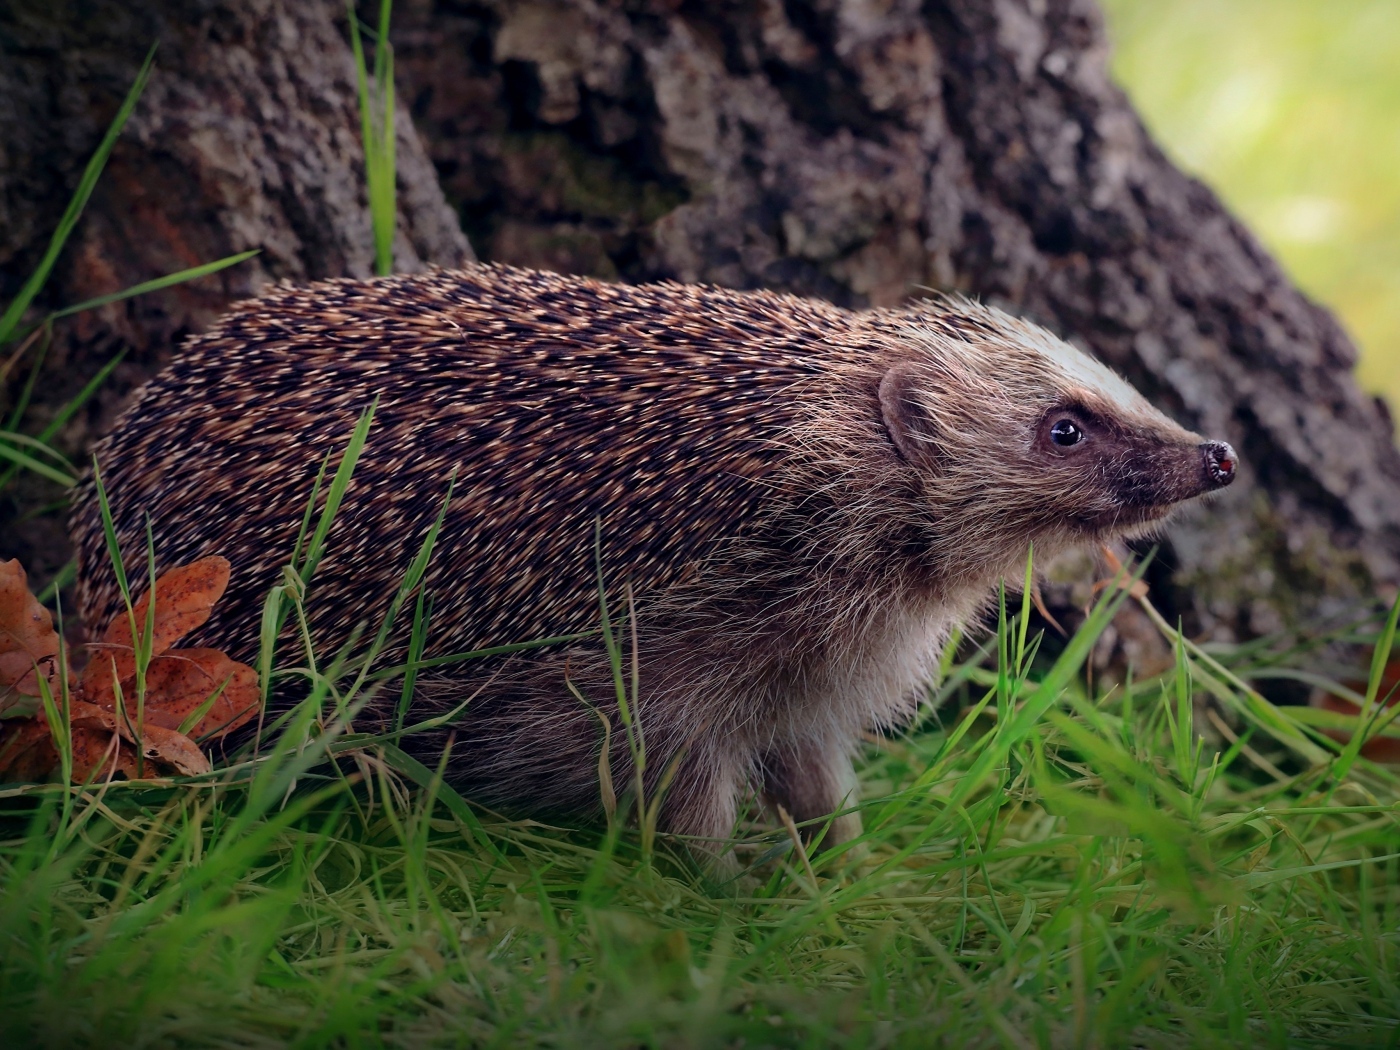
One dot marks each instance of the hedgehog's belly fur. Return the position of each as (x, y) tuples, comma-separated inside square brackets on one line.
[(731, 721)]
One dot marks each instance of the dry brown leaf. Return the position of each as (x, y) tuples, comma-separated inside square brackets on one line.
[(26, 749), (1378, 748), (178, 684), (158, 743), (27, 638), (1120, 579), (99, 754), (173, 749), (184, 598), (97, 743)]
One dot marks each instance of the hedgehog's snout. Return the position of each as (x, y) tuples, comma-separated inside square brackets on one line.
[(1218, 463)]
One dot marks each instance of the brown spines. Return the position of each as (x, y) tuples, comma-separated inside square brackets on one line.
[(693, 423), (663, 412)]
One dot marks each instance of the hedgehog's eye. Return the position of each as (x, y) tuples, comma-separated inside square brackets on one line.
[(1066, 432)]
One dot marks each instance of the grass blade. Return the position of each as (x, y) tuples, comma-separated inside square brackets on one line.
[(9, 320), (1380, 657), (180, 277), (336, 493), (35, 466), (377, 132)]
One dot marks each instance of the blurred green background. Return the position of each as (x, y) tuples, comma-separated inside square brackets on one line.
[(1290, 110)]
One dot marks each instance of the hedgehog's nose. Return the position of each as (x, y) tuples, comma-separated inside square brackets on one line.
[(1219, 462)]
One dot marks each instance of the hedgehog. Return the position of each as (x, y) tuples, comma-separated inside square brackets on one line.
[(792, 505)]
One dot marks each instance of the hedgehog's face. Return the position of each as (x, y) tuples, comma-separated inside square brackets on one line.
[(1025, 437), (1117, 471)]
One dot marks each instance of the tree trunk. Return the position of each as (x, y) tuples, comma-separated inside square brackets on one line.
[(857, 151), (247, 136), (846, 149)]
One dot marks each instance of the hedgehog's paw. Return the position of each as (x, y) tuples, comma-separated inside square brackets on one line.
[(812, 780), (701, 807)]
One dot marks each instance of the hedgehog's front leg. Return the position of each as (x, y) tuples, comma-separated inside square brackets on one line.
[(701, 801), (813, 778)]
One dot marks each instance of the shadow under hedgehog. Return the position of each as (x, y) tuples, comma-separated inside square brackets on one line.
[(805, 501)]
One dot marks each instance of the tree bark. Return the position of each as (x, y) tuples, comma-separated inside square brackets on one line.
[(857, 151), (247, 136), (848, 149)]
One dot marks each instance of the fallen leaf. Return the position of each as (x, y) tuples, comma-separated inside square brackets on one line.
[(203, 685), (179, 683), (26, 749), (100, 754), (97, 744), (185, 596), (1121, 578), (1378, 748), (173, 749), (157, 743), (29, 645)]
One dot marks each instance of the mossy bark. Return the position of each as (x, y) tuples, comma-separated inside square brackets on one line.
[(861, 152), (855, 151), (247, 136)]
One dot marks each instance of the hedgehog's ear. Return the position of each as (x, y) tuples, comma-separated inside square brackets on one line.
[(907, 419)]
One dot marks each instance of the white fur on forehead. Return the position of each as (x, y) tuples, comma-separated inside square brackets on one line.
[(1077, 367), (1073, 367)]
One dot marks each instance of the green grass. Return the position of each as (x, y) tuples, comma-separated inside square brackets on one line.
[(1288, 109), (376, 95), (1052, 866)]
